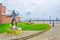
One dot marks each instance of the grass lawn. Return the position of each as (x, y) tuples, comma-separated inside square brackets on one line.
[(24, 26)]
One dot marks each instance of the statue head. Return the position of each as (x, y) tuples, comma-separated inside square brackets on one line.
[(13, 11)]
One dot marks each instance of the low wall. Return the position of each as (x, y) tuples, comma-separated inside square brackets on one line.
[(6, 19)]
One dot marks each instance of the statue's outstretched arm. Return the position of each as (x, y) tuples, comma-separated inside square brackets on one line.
[(17, 14)]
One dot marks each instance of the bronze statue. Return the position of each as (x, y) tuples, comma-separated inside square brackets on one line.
[(13, 15), (14, 18)]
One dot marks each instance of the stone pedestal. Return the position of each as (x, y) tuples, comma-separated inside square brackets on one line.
[(14, 31)]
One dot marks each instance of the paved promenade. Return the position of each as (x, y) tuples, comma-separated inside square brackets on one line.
[(52, 34), (23, 34)]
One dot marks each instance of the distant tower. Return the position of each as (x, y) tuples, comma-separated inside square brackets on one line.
[(2, 11), (57, 19)]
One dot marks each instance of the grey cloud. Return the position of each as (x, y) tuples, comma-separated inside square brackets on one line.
[(37, 7)]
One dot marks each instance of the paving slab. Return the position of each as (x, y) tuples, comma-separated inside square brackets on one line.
[(52, 34), (23, 34)]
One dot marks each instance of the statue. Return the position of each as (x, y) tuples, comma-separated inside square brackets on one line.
[(14, 30), (14, 18)]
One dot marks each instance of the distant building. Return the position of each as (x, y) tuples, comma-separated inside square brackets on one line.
[(3, 17), (57, 18)]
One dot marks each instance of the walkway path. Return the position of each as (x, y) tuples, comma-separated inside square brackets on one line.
[(52, 34), (23, 34)]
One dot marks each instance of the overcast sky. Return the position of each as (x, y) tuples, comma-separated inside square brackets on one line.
[(39, 9)]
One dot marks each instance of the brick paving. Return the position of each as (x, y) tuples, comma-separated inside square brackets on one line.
[(52, 34), (23, 34)]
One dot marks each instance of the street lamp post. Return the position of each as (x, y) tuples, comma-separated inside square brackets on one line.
[(29, 15), (50, 19)]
